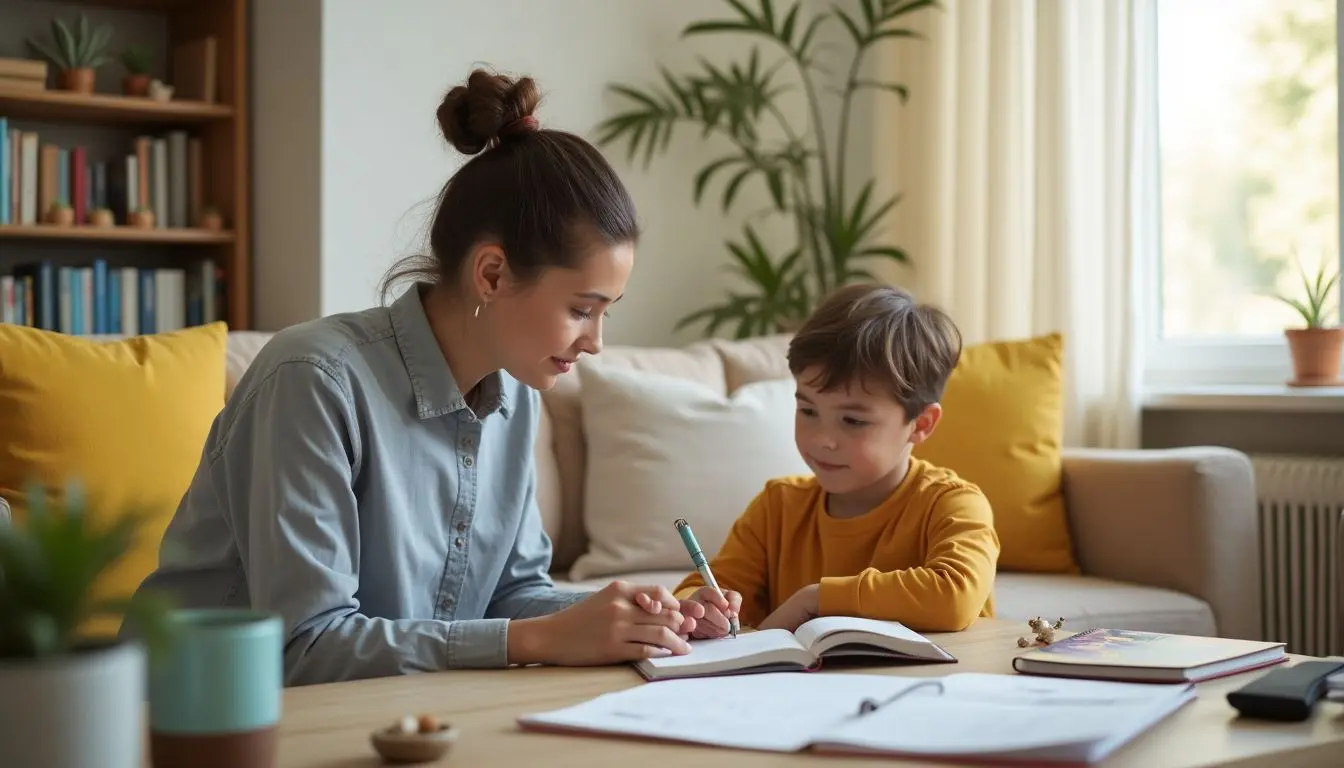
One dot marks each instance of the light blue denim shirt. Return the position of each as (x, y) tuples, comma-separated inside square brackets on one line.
[(348, 486)]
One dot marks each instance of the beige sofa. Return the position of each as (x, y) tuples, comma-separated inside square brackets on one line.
[(1166, 540)]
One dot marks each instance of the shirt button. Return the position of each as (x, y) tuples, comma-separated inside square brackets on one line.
[(446, 603), (459, 542), (467, 460), (461, 527)]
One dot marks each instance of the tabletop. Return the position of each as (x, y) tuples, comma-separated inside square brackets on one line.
[(329, 725)]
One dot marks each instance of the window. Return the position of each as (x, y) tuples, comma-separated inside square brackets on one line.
[(1248, 147)]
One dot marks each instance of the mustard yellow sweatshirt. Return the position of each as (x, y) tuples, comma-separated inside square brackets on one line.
[(925, 557)]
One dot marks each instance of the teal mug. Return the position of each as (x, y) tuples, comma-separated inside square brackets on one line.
[(215, 694)]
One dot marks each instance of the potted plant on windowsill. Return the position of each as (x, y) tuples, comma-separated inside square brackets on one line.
[(68, 699), (1317, 347)]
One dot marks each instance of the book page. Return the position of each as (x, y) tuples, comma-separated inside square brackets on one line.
[(779, 711), (812, 631), (730, 652), (1010, 715)]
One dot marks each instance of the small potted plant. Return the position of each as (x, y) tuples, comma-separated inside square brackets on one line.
[(69, 698), (102, 217), (136, 59), (211, 219), (61, 214), (142, 217), (1317, 347), (76, 53)]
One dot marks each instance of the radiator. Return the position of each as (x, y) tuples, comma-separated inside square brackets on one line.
[(1300, 501)]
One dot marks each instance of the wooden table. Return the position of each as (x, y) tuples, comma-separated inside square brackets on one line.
[(329, 725)]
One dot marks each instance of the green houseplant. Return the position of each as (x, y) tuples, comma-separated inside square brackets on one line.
[(833, 223), (67, 698), (136, 60), (1316, 347), (77, 52)]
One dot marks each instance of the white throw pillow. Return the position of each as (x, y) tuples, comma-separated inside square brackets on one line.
[(660, 448)]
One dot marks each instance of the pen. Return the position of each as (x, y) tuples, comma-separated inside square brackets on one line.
[(702, 566)]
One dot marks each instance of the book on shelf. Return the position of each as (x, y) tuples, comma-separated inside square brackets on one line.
[(770, 650), (22, 74), (1150, 657), (966, 717), (98, 299), (164, 174)]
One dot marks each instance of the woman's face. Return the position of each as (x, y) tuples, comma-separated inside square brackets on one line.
[(543, 328)]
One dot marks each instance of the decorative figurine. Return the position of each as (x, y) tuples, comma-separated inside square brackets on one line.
[(1045, 633)]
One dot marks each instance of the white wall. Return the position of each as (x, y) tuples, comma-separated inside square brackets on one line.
[(384, 68)]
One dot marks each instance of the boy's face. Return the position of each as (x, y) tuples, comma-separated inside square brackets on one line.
[(855, 438)]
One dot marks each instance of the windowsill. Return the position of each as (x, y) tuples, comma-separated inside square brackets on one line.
[(1245, 397)]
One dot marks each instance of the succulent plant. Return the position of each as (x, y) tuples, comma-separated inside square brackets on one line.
[(81, 48), (136, 59), (49, 566), (1315, 310)]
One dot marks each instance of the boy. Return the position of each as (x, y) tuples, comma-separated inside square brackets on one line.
[(875, 533)]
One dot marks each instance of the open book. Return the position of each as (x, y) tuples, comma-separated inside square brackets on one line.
[(775, 650), (1147, 657), (968, 717)]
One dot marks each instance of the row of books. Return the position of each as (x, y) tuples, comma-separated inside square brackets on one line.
[(162, 174), (98, 299)]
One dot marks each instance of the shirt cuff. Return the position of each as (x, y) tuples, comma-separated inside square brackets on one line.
[(478, 643)]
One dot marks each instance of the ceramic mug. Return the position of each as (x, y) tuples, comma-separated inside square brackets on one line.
[(215, 696)]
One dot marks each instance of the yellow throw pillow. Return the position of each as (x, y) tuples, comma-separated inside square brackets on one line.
[(1002, 429), (125, 420)]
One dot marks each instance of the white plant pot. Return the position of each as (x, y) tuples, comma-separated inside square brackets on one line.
[(83, 710)]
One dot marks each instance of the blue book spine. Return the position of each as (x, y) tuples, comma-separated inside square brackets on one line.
[(48, 304), (101, 321), (114, 300), (6, 172), (147, 314)]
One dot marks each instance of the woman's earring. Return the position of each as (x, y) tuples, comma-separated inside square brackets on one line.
[(477, 313)]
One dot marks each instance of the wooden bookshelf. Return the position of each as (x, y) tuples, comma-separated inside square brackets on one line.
[(220, 125), (120, 233)]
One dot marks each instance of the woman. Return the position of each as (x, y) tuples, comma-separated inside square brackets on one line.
[(372, 481)]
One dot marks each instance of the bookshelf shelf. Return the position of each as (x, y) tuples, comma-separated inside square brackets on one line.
[(65, 106), (117, 234)]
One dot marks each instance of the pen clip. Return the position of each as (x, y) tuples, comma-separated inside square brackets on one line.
[(872, 705)]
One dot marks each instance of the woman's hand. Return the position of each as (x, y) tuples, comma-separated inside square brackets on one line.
[(715, 610), (610, 626), (799, 608)]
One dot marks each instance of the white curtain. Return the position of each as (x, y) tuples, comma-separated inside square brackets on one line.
[(1024, 158)]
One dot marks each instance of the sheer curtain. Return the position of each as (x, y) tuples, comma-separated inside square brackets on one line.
[(1025, 156)]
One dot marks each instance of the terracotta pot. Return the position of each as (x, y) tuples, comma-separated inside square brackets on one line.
[(212, 221), (102, 218), (1316, 356), (77, 80), (136, 85), (61, 217), (142, 219)]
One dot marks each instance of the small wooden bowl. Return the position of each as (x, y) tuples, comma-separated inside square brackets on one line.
[(396, 746)]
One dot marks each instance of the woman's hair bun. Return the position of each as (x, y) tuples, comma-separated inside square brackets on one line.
[(487, 108)]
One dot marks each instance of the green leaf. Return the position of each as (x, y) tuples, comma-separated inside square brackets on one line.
[(896, 88)]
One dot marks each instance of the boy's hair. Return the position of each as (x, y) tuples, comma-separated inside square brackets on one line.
[(878, 335)]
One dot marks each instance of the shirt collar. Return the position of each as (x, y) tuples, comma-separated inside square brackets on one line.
[(436, 391)]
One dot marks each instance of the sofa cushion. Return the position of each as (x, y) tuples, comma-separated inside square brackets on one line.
[(697, 362), (1002, 429), (1087, 602), (758, 359), (125, 420), (1083, 601), (662, 448)]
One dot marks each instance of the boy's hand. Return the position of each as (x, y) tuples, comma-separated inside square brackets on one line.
[(795, 611), (715, 611)]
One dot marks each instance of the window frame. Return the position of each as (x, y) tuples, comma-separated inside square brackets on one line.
[(1223, 360)]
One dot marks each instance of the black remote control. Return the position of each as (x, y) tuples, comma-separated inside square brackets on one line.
[(1286, 693)]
